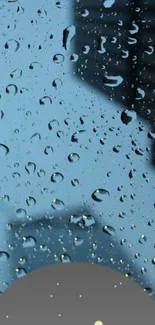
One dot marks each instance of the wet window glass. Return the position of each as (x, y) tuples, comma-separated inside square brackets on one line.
[(77, 133)]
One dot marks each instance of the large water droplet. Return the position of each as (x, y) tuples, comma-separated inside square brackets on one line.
[(11, 89), (73, 157), (30, 168), (21, 213), (57, 204), (98, 195), (28, 242), (76, 135), (108, 3), (30, 201), (57, 178), (20, 272), (48, 150), (64, 258), (68, 35), (109, 230), (128, 116), (58, 58), (112, 81), (4, 150), (4, 256)]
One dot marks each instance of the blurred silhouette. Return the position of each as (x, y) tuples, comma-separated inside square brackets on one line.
[(115, 47)]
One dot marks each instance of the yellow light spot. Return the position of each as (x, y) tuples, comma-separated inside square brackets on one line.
[(98, 322)]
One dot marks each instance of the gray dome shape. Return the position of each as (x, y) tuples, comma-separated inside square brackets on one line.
[(75, 294)]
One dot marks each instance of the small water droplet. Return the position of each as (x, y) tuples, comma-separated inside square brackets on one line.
[(58, 58), (75, 182), (64, 258), (48, 150), (30, 168), (128, 116), (78, 241)]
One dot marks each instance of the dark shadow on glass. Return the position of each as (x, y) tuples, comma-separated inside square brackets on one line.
[(115, 48)]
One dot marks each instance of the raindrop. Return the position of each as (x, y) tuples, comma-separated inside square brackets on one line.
[(64, 258), (151, 135), (4, 150), (58, 58), (88, 220), (30, 168), (108, 3), (16, 73), (41, 173), (153, 261), (11, 89), (34, 64), (112, 81), (35, 137), (74, 57), (30, 201), (75, 136), (28, 242), (22, 260), (57, 204), (21, 213), (143, 239), (57, 83), (1, 115), (128, 116), (20, 272), (53, 124), (48, 150), (57, 178), (101, 41), (78, 241), (75, 182), (68, 35), (73, 157), (98, 195), (75, 219), (109, 230), (45, 100), (4, 256), (12, 45), (84, 13), (42, 13)]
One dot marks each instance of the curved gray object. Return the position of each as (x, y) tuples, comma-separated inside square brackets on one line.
[(75, 294)]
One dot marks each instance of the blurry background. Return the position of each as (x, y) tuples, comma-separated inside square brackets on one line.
[(77, 175)]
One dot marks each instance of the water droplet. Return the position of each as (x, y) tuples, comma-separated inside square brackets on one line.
[(128, 116), (57, 83), (75, 182), (21, 213), (41, 173), (57, 204), (75, 136), (1, 115), (48, 150), (20, 272), (42, 13), (107, 4), (75, 219), (142, 239), (16, 73), (68, 35), (28, 242), (30, 201), (74, 57), (58, 58), (109, 230), (153, 261), (4, 150), (78, 241), (57, 178), (22, 260), (11, 89), (64, 258), (88, 220), (12, 45), (45, 100), (4, 256), (84, 13), (53, 124), (98, 195), (112, 81), (30, 168), (73, 157)]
